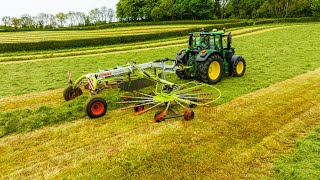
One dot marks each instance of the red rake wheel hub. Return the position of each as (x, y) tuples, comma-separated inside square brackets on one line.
[(188, 115), (97, 108)]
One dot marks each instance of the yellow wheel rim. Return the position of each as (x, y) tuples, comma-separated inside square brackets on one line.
[(240, 67), (214, 70)]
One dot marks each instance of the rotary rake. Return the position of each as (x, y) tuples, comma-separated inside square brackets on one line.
[(168, 97)]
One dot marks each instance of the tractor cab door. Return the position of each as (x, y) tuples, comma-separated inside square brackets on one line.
[(216, 42)]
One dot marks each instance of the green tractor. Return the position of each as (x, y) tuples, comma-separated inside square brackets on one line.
[(209, 57)]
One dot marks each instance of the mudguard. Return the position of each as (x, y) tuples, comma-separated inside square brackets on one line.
[(181, 56), (234, 58), (203, 57)]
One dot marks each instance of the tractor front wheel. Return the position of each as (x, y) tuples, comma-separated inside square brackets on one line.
[(96, 107), (238, 67), (211, 70), (70, 93)]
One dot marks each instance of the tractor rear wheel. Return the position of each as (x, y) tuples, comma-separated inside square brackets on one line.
[(211, 70), (238, 66), (70, 93), (96, 107)]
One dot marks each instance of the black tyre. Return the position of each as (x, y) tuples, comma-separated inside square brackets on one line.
[(96, 107), (70, 93), (193, 105), (138, 107), (160, 119), (238, 66), (211, 70)]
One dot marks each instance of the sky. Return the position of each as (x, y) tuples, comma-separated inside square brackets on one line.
[(16, 8)]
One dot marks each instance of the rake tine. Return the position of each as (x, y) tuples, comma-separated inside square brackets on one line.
[(180, 104), (132, 97), (191, 90), (146, 110), (142, 94), (133, 106), (152, 91), (198, 98), (197, 94), (129, 102)]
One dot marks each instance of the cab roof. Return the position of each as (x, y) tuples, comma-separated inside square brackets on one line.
[(211, 33)]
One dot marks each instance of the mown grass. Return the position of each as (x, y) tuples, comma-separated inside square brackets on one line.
[(236, 140), (304, 162)]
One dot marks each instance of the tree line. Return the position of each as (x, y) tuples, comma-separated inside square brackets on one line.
[(159, 10), (43, 20)]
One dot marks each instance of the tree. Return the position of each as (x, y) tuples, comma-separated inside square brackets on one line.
[(26, 21), (61, 18), (95, 16), (7, 21), (16, 22), (104, 13), (223, 5), (156, 14), (80, 18), (110, 14), (315, 7)]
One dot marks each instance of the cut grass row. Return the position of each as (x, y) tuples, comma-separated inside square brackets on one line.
[(37, 36), (233, 141), (267, 65), (116, 48)]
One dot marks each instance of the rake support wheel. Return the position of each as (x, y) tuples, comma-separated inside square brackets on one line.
[(70, 93), (188, 115), (96, 107), (211, 70), (138, 107)]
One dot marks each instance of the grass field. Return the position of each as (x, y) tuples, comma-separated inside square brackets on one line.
[(240, 138)]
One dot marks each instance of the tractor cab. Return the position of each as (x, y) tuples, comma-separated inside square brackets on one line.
[(205, 40)]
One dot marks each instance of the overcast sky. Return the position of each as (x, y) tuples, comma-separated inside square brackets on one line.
[(18, 7)]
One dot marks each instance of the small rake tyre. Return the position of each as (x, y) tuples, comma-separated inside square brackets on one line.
[(238, 67), (96, 107), (138, 107), (159, 119), (70, 93), (211, 70)]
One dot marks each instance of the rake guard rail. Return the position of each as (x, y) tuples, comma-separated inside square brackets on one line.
[(95, 78)]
